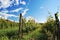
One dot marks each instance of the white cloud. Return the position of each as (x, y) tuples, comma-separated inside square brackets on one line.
[(16, 10), (22, 2), (24, 12), (11, 20), (17, 2), (5, 11), (36, 20), (11, 15), (5, 15), (5, 3), (29, 18), (40, 21)]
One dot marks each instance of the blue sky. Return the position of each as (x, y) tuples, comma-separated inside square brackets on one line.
[(38, 9)]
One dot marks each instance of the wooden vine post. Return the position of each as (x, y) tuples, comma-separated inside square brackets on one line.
[(58, 27), (20, 27)]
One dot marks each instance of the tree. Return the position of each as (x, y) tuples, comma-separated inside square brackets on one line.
[(50, 28)]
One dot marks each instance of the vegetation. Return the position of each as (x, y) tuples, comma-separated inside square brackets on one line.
[(31, 30)]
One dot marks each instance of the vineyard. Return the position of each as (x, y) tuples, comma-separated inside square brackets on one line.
[(30, 30)]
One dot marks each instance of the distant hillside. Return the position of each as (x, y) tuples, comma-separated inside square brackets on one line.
[(41, 23)]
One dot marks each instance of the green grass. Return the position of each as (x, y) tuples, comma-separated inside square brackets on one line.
[(8, 30), (31, 34)]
